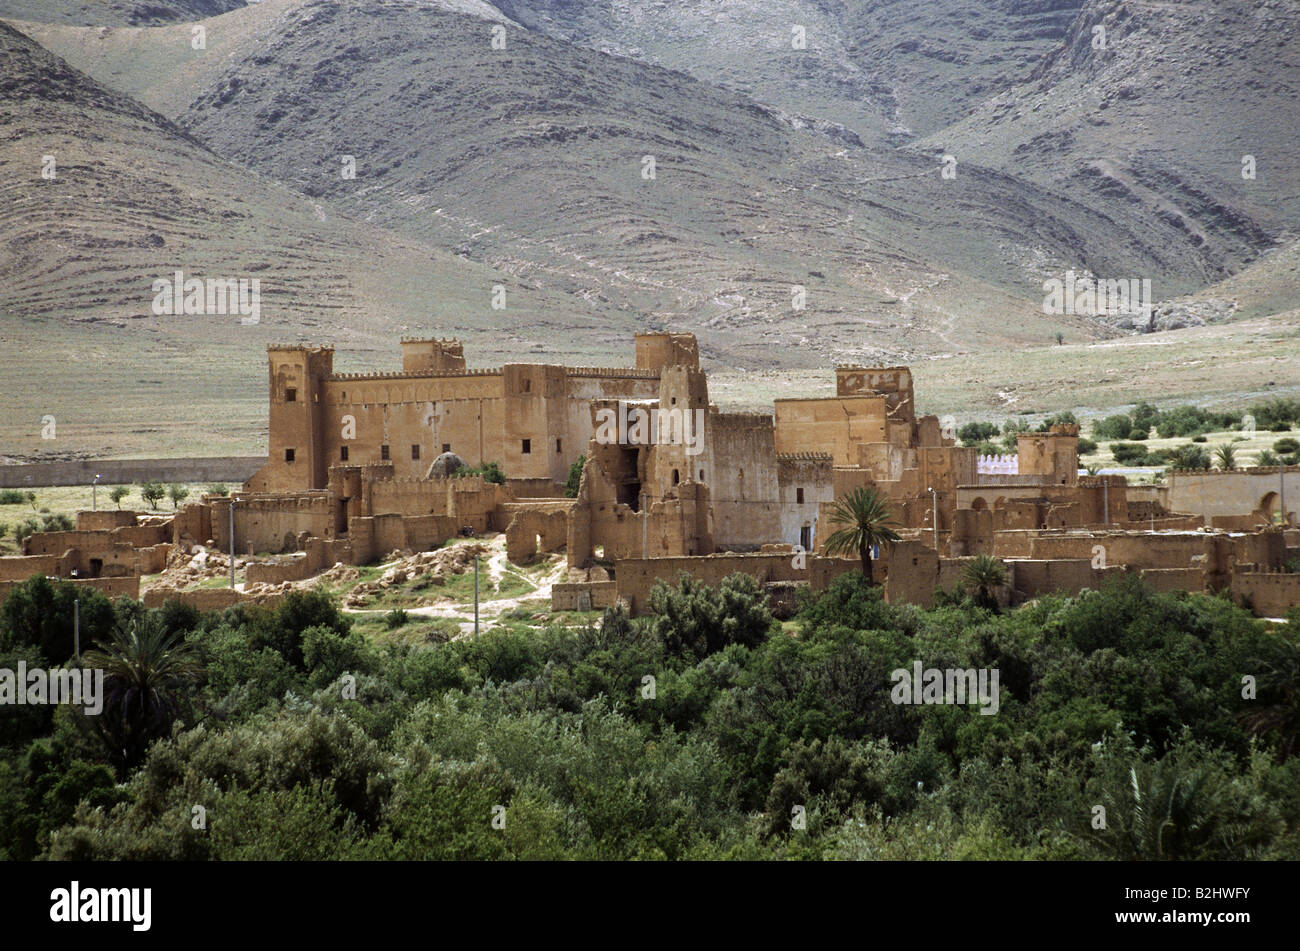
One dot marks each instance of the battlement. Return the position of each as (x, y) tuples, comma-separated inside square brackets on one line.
[(420, 375), (621, 373)]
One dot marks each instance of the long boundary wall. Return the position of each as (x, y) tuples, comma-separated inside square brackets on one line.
[(234, 469)]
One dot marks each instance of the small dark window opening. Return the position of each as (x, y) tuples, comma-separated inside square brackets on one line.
[(528, 386), (701, 475), (676, 478), (291, 395), (557, 445), (415, 452), (383, 452), (446, 447), (798, 496), (343, 453), (288, 455), (528, 446)]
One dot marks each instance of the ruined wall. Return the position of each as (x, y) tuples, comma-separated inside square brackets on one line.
[(543, 527), (22, 567), (1240, 492), (1052, 455), (656, 350), (1269, 594), (834, 425), (583, 595), (270, 523), (104, 520), (892, 383), (745, 490), (636, 576), (804, 481)]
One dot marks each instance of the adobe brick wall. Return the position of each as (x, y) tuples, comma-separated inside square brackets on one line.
[(1239, 492), (128, 586), (636, 576), (569, 595), (1270, 594), (123, 471)]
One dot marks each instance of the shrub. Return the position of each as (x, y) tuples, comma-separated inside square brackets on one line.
[(12, 497), (396, 618), (117, 494), (1086, 446), (693, 619), (218, 488), (153, 493), (1113, 427), (1287, 446), (490, 471), (1127, 454), (973, 433), (574, 481), (177, 493)]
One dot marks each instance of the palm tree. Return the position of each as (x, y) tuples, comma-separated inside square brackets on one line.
[(983, 575), (1278, 710), (865, 514), (146, 672), (1226, 456)]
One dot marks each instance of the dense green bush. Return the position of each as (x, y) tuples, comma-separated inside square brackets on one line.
[(699, 732)]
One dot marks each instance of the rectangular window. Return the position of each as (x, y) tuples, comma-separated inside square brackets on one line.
[(798, 496), (528, 446), (557, 445), (415, 452), (343, 453), (383, 452), (291, 395), (288, 455), (446, 447)]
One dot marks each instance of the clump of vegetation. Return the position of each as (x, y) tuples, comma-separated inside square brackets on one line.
[(490, 471), (218, 488), (152, 492), (396, 618), (687, 734), (574, 481), (177, 493), (12, 497), (117, 494)]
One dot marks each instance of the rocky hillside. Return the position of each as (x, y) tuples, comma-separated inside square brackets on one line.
[(115, 12)]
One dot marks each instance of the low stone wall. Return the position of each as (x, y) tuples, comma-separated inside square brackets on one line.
[(636, 576), (583, 595), (128, 586), (207, 599), (122, 471), (1269, 593)]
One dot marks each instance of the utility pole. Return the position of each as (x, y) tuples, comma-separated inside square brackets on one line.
[(94, 494), (232, 542), (476, 594), (934, 517)]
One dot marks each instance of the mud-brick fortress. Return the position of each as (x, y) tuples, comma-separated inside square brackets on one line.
[(363, 465)]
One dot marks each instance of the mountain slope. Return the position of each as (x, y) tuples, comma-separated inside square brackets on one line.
[(114, 12), (1155, 125)]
